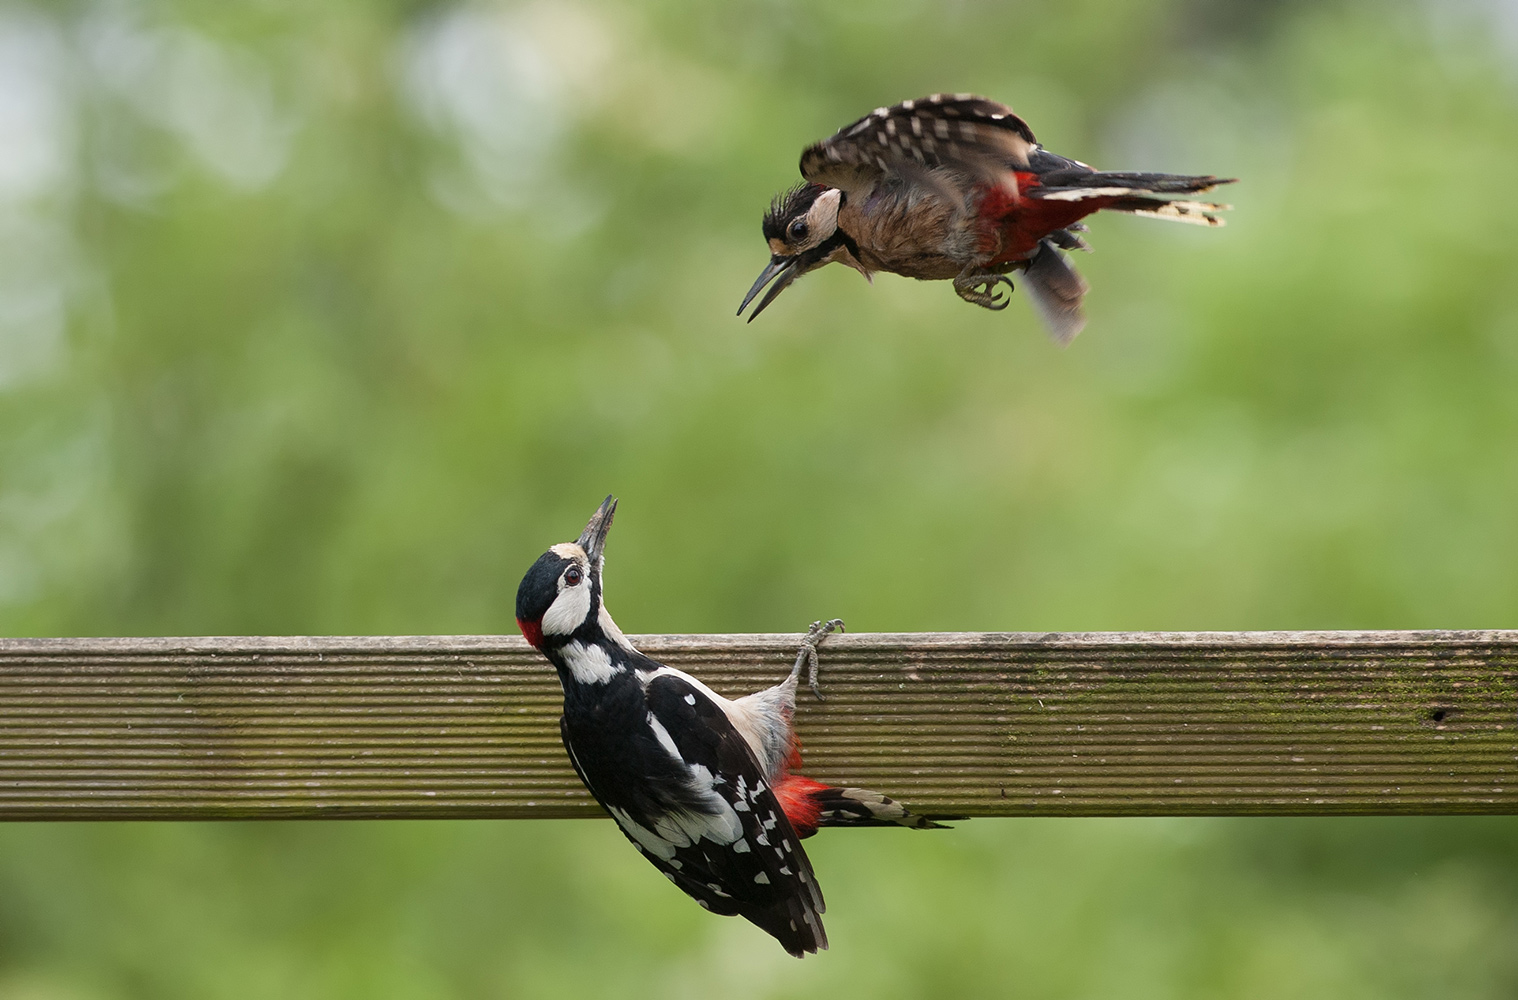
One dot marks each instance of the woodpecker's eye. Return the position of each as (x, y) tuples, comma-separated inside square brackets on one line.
[(572, 576), (797, 230)]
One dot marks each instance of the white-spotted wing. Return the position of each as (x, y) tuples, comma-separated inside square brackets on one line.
[(917, 141), (727, 842)]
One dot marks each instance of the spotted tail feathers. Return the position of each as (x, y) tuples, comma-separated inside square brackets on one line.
[(811, 805), (1158, 196)]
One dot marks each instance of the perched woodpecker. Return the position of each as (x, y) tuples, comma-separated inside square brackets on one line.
[(955, 186), (702, 785)]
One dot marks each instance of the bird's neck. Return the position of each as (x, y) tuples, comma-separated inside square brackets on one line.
[(593, 654)]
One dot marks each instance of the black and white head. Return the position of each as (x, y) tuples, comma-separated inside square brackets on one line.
[(560, 596), (801, 227)]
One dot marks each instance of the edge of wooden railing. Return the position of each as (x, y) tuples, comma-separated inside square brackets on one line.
[(979, 724)]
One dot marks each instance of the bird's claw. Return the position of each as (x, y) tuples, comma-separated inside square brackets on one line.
[(808, 652), (985, 290)]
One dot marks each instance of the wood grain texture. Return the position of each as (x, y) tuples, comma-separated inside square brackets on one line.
[(974, 724)]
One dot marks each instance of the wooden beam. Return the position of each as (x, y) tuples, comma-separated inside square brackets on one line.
[(971, 724)]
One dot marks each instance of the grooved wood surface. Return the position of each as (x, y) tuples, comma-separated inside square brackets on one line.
[(978, 724)]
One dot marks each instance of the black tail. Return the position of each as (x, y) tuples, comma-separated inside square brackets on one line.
[(862, 807), (1154, 183), (1136, 180), (1156, 195)]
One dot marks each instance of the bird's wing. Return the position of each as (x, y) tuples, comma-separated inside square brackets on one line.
[(728, 844), (955, 136), (1057, 290)]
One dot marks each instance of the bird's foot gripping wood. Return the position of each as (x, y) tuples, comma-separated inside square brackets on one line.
[(808, 652), (810, 804), (984, 289)]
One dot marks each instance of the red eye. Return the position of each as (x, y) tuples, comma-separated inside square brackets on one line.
[(572, 576)]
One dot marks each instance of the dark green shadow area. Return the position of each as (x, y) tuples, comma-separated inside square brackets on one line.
[(1046, 908)]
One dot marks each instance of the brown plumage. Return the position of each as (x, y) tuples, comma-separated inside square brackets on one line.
[(956, 187)]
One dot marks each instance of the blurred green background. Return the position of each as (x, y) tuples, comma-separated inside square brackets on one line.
[(328, 317)]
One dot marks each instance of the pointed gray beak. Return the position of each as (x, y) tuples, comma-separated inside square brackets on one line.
[(782, 267), (593, 538)]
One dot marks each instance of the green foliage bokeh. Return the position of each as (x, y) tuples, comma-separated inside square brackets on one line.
[(329, 317)]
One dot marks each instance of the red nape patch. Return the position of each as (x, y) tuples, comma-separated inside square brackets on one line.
[(533, 631), (794, 793)]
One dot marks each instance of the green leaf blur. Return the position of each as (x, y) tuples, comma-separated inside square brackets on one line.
[(328, 317)]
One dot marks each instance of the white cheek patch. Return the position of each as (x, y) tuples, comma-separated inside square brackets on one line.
[(568, 611), (822, 217)]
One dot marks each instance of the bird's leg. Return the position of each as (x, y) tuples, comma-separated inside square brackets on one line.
[(808, 652), (984, 288)]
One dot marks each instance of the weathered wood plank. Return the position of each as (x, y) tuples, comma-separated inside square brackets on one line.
[(974, 724)]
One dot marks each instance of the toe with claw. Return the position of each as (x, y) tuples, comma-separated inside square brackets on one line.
[(984, 289), (807, 654)]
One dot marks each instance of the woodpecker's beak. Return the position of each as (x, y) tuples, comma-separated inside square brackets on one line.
[(593, 538), (782, 267)]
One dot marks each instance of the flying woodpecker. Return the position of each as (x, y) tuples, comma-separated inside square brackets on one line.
[(955, 186), (702, 785)]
